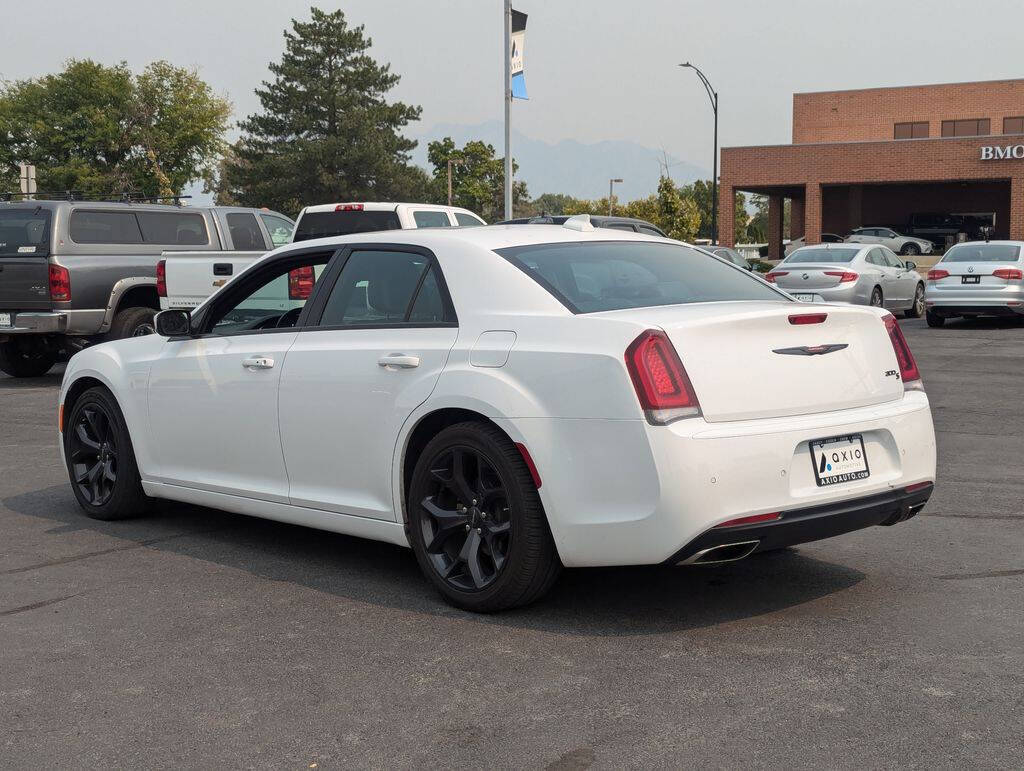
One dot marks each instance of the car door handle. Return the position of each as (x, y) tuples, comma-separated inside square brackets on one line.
[(258, 362), (398, 360)]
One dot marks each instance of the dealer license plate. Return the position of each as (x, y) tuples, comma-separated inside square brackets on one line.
[(839, 459), (804, 298), (972, 279), (5, 320)]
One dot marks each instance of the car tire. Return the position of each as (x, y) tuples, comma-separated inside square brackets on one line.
[(918, 308), (100, 458), (910, 250), (132, 322), (876, 298), (493, 551), (934, 319), (26, 358)]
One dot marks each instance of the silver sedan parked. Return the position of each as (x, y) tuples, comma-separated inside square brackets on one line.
[(977, 279), (862, 274)]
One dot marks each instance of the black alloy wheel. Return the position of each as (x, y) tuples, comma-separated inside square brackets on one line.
[(476, 523), (93, 455), (100, 457), (466, 530)]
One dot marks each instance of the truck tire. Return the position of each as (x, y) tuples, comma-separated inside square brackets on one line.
[(26, 358), (132, 322)]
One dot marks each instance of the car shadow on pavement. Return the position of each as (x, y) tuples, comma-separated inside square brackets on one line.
[(591, 601), (50, 380)]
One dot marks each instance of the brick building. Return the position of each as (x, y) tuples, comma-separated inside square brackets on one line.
[(876, 156)]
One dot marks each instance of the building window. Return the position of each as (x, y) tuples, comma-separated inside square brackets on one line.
[(1013, 125), (975, 127), (918, 130)]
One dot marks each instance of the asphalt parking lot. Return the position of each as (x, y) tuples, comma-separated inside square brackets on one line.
[(193, 638)]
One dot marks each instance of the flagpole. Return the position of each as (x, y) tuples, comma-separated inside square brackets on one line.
[(508, 109)]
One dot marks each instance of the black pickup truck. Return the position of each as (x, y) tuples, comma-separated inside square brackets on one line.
[(73, 273)]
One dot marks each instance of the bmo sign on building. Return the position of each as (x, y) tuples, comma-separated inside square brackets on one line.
[(937, 161), (991, 153)]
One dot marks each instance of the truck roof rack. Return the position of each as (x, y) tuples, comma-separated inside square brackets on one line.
[(78, 195)]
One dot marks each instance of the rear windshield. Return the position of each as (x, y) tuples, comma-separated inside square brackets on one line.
[(24, 232), (612, 275), (822, 255), (983, 253), (322, 224)]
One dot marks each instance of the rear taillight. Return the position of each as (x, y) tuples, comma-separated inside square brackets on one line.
[(661, 382), (161, 278), (845, 276), (300, 283), (808, 318), (936, 273), (349, 207), (770, 277), (909, 373), (1010, 274), (60, 283)]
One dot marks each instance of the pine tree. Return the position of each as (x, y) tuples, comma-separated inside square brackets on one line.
[(326, 132)]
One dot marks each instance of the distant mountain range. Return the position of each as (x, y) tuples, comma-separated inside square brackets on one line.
[(570, 167)]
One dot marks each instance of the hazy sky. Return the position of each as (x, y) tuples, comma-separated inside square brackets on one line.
[(595, 69)]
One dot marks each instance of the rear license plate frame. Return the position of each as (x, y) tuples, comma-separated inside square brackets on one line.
[(6, 320), (804, 297), (970, 279), (847, 441)]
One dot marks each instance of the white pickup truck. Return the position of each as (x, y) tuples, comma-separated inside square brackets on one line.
[(185, 279)]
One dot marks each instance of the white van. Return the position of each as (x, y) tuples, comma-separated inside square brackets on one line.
[(338, 219)]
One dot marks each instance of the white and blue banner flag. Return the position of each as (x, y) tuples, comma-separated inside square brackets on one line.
[(516, 58)]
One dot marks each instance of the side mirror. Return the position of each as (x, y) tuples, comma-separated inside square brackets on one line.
[(911, 265), (173, 323)]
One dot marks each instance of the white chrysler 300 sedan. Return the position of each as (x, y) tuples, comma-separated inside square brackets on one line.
[(507, 400)]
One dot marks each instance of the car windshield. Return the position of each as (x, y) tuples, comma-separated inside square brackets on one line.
[(983, 253), (593, 276), (24, 232), (322, 224), (821, 255)]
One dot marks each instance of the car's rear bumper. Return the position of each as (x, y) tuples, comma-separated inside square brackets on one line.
[(812, 523), (999, 300), (623, 492)]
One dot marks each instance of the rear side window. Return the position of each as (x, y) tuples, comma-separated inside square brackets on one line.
[(181, 228), (323, 224), (983, 253), (821, 255), (588, 277), (104, 227), (279, 228), (380, 288), (245, 232), (650, 231), (431, 219), (24, 232), (467, 220)]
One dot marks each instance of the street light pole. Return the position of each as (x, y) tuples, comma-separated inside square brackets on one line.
[(611, 193), (713, 96), (452, 162)]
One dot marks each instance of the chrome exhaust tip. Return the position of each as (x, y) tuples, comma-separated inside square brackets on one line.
[(726, 552)]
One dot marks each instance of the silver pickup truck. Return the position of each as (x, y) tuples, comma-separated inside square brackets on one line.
[(73, 273)]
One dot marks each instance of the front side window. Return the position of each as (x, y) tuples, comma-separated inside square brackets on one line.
[(467, 220), (588, 277), (381, 288), (275, 303), (180, 228), (983, 253), (245, 232), (104, 227), (431, 219), (279, 228), (811, 254), (650, 231), (24, 232)]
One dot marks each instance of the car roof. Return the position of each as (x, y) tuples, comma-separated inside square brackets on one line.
[(993, 241), (381, 206)]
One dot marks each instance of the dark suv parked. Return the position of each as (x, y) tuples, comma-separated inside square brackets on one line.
[(73, 273)]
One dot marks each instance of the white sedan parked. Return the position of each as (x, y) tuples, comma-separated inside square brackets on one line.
[(509, 400), (889, 238)]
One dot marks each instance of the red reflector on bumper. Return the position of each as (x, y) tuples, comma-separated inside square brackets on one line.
[(917, 486), (753, 520)]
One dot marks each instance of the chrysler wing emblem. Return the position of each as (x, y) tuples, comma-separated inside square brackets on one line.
[(812, 350)]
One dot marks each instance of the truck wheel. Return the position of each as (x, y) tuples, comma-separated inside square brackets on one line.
[(26, 358), (132, 322)]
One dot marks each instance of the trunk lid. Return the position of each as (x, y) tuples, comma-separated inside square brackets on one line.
[(798, 277), (747, 360), (983, 271)]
